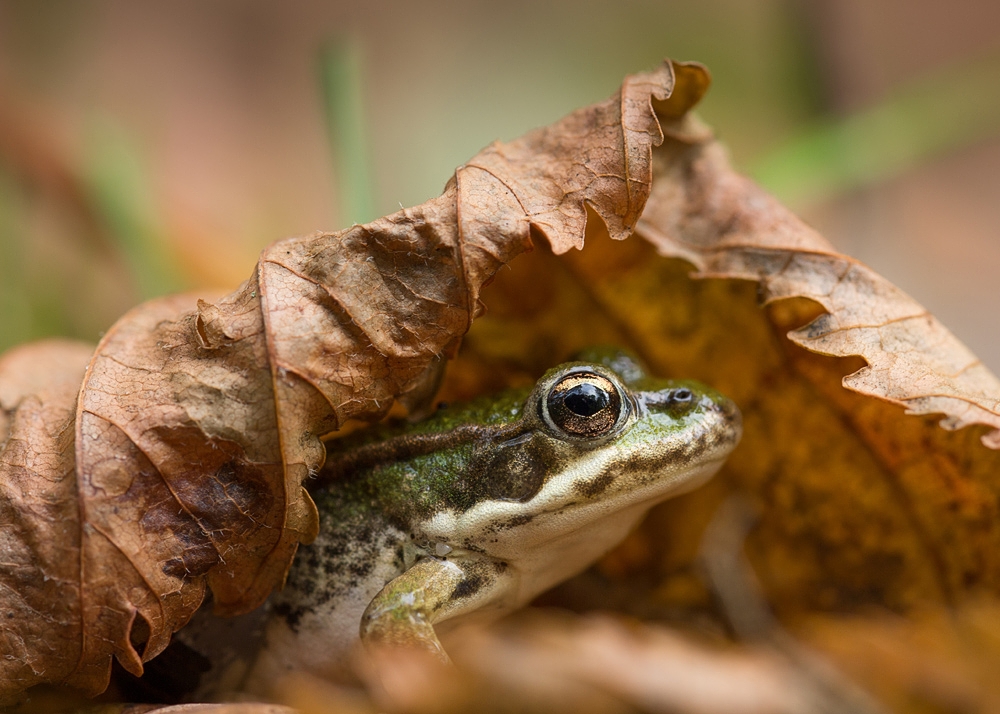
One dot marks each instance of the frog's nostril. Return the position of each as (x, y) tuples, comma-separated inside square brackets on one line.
[(726, 407), (731, 412), (681, 395)]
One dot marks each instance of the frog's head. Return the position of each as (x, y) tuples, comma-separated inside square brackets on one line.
[(596, 444)]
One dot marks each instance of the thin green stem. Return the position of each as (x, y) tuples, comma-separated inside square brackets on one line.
[(343, 100)]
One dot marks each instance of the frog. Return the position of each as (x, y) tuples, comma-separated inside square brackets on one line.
[(475, 511)]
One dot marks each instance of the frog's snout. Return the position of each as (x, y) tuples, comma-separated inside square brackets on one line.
[(730, 413)]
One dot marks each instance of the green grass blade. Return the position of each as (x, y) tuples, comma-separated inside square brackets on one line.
[(343, 101), (119, 189), (943, 111)]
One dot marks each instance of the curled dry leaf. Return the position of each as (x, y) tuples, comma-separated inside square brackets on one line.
[(198, 422), (40, 537), (859, 503), (741, 232)]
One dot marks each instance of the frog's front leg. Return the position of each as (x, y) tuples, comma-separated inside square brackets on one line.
[(404, 612)]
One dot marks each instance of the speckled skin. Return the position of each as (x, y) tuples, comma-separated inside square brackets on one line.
[(480, 508)]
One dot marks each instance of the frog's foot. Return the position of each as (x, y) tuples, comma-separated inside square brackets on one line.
[(404, 612)]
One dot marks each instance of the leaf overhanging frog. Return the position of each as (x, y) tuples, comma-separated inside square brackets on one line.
[(478, 509)]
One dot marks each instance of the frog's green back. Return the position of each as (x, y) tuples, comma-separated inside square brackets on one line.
[(425, 475)]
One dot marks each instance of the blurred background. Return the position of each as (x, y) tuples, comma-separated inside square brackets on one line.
[(150, 147)]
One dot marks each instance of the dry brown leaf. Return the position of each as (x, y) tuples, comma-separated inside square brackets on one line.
[(547, 661), (198, 422), (596, 664), (228, 708), (40, 634), (860, 504)]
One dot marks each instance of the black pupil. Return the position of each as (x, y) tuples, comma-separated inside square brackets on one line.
[(586, 400), (583, 405)]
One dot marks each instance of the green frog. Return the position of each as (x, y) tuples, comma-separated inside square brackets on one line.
[(478, 509)]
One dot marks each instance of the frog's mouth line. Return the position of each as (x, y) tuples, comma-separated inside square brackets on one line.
[(519, 517), (693, 479)]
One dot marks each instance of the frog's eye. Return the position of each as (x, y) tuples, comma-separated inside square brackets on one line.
[(584, 404)]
